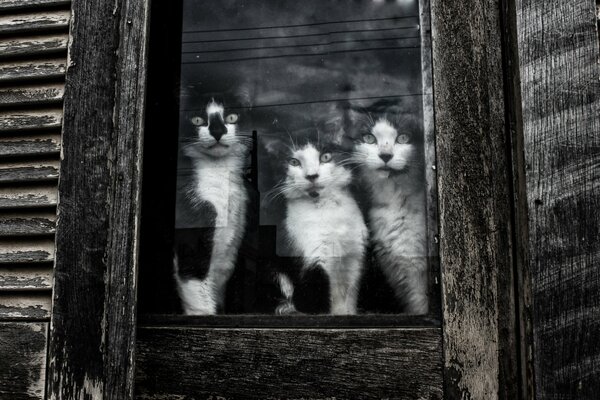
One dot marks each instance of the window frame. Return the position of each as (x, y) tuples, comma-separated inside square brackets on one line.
[(92, 345)]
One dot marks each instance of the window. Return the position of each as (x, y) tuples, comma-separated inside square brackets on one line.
[(301, 183)]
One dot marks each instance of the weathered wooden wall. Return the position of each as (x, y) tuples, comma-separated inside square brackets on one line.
[(560, 88), (33, 49)]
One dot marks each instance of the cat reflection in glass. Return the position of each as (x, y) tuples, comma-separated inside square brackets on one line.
[(388, 150), (213, 200), (323, 225)]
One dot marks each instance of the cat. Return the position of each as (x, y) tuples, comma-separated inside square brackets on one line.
[(323, 223), (388, 150), (212, 204)]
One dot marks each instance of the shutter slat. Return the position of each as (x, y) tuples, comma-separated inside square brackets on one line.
[(34, 22), (30, 145), (22, 197), (30, 251), (13, 5), (23, 306), (32, 70), (27, 120), (25, 278), (27, 224), (32, 94), (29, 171), (33, 46)]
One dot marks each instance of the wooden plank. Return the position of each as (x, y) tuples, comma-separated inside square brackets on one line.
[(474, 201), (25, 306), (12, 5), (25, 278), (15, 71), (11, 121), (32, 94), (33, 45), (33, 171), (30, 223), (29, 251), (30, 145), (35, 21), (23, 360), (289, 366), (94, 293), (37, 196), (559, 52)]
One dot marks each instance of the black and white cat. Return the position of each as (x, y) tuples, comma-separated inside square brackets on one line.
[(388, 151), (323, 223), (211, 210)]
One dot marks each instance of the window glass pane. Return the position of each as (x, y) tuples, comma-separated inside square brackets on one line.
[(301, 166)]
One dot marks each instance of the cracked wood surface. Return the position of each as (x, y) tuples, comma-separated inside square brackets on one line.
[(559, 62)]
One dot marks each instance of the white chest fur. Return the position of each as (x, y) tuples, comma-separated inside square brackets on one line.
[(325, 228)]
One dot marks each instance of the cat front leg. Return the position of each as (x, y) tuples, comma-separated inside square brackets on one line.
[(197, 296), (344, 285)]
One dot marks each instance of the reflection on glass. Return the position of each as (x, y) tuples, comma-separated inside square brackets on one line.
[(300, 179)]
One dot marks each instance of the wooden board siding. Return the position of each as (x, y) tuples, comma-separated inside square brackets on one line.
[(33, 53), (279, 363), (559, 55)]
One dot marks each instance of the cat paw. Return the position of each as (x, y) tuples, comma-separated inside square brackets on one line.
[(286, 308)]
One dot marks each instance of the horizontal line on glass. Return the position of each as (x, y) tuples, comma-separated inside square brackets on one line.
[(300, 45), (300, 55), (314, 102), (303, 35), (351, 21)]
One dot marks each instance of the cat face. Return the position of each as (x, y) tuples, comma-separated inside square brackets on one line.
[(216, 132), (386, 145), (313, 173)]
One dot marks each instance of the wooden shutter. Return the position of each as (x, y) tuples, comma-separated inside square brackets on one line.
[(33, 55)]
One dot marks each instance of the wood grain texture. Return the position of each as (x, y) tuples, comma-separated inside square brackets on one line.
[(11, 121), (33, 45), (25, 306), (21, 197), (282, 363), (15, 71), (28, 251), (474, 201), (30, 223), (559, 51), (97, 230), (12, 5), (34, 21), (22, 360), (25, 278), (30, 171), (30, 145)]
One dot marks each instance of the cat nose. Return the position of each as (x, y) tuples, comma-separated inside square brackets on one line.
[(217, 131), (312, 178), (385, 157), (216, 128)]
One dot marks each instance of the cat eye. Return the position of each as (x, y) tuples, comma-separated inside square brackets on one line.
[(369, 139), (197, 121), (294, 162), (231, 118), (402, 139), (325, 157)]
